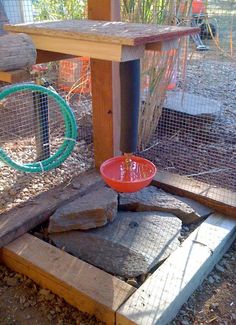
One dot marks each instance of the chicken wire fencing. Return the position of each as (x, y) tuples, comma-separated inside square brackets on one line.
[(20, 134), (196, 132), (193, 134)]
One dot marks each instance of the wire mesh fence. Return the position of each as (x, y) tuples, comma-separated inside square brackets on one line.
[(19, 132), (193, 132), (196, 134)]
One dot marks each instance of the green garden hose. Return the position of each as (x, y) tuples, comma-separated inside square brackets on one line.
[(70, 135)]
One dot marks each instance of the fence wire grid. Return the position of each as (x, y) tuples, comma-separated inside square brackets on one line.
[(194, 132)]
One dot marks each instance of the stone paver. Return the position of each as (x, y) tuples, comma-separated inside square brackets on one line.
[(129, 246), (154, 199), (89, 211)]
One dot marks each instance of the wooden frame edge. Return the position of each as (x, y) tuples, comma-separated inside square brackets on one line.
[(82, 285), (14, 76), (221, 200)]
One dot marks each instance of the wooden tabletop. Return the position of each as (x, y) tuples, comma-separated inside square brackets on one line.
[(103, 31)]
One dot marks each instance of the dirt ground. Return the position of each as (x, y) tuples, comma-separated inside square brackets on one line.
[(22, 302)]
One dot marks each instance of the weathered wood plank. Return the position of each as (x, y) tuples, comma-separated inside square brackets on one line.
[(80, 284), (219, 199), (26, 216), (159, 299), (122, 33), (14, 76)]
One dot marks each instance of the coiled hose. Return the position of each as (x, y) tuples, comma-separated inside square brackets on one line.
[(70, 132)]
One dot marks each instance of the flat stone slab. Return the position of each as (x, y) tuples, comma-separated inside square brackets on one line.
[(129, 246), (192, 104), (202, 210), (89, 211), (153, 199)]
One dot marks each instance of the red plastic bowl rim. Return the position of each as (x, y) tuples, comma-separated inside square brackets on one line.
[(136, 158)]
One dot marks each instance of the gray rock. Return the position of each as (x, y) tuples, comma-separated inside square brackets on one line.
[(154, 199), (217, 277), (211, 280), (129, 246), (89, 211), (185, 322), (224, 264), (186, 229), (219, 268), (133, 282), (200, 209), (183, 102)]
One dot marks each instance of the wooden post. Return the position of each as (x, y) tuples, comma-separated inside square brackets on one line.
[(105, 90)]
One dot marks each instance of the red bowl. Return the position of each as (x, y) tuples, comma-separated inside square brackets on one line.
[(121, 178)]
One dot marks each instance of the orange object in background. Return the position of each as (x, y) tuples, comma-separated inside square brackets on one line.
[(198, 7), (128, 176), (75, 72), (172, 84)]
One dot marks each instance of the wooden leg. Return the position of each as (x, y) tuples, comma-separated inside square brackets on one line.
[(105, 90)]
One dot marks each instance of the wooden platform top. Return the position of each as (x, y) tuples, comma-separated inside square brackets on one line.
[(104, 31)]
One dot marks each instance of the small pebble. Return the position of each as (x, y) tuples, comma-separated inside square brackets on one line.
[(219, 268), (181, 239), (214, 306), (11, 282), (217, 277), (185, 322), (133, 282), (211, 280), (142, 278), (22, 300)]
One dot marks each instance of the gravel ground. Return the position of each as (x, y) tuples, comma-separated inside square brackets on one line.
[(22, 302), (17, 187)]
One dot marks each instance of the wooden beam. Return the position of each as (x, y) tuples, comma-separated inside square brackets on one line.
[(221, 200), (14, 76), (82, 285), (93, 49), (161, 296), (104, 10), (163, 46), (105, 89), (47, 56), (28, 215)]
